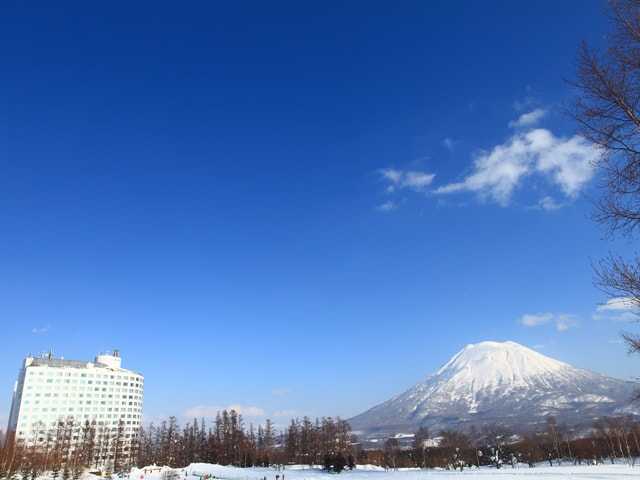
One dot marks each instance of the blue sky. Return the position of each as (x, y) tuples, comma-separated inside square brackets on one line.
[(295, 208)]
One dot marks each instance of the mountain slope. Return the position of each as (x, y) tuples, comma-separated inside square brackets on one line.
[(504, 383)]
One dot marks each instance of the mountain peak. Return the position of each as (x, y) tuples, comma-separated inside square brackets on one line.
[(487, 364), (500, 382), (493, 344)]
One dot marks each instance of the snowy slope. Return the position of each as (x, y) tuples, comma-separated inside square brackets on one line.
[(295, 472), (500, 382)]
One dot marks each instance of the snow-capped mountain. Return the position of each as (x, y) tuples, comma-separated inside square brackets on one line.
[(504, 383)]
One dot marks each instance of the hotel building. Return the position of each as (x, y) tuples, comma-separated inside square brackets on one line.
[(52, 391)]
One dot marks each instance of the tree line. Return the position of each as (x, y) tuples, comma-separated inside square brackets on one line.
[(68, 449), (229, 441), (71, 447), (612, 439)]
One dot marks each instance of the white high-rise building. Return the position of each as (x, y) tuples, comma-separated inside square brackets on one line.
[(53, 390)]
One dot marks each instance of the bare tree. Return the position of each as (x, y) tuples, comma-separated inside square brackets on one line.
[(607, 110), (419, 446)]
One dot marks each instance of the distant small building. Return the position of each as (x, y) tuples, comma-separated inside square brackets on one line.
[(431, 442)]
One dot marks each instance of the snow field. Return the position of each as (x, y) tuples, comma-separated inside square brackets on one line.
[(369, 472)]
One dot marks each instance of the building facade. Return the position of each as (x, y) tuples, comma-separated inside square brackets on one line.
[(74, 401)]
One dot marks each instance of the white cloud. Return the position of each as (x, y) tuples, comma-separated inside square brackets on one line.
[(618, 317), (394, 176), (528, 119), (568, 162), (618, 309), (562, 321), (525, 103), (448, 143), (247, 410), (548, 203), (284, 413), (280, 392), (411, 179), (40, 330), (202, 411), (533, 320), (618, 304), (211, 411), (387, 206)]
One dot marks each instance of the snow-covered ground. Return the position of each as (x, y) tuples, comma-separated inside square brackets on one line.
[(195, 472)]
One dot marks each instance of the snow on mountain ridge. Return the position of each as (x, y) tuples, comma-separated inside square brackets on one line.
[(500, 382), (488, 365), (486, 370)]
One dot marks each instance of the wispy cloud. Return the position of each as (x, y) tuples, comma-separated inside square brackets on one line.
[(535, 319), (448, 143), (561, 321), (281, 392), (202, 411), (284, 413), (565, 321), (617, 304), (406, 179), (388, 206), (41, 330), (618, 309), (247, 410), (527, 102), (566, 162), (549, 204), (211, 410), (528, 119)]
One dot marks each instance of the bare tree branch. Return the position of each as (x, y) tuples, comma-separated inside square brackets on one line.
[(606, 110)]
